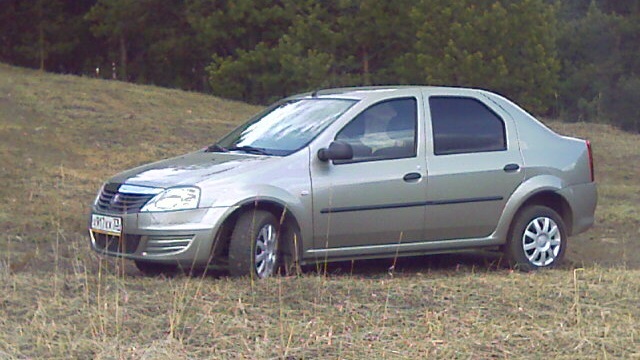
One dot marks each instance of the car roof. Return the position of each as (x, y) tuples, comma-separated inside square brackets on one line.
[(362, 92)]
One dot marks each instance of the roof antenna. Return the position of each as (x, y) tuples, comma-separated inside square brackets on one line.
[(314, 93)]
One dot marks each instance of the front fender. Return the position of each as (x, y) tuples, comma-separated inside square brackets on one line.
[(299, 205)]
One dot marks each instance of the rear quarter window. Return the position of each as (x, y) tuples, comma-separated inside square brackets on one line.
[(465, 125)]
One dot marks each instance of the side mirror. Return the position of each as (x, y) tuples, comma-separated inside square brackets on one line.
[(338, 150)]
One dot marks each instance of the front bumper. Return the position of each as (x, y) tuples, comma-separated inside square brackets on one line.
[(185, 237)]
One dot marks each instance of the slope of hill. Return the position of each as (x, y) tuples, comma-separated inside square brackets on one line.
[(60, 136)]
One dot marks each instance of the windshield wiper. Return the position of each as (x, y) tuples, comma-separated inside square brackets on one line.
[(216, 148), (249, 149)]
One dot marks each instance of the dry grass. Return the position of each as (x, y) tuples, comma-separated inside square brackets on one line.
[(93, 311), (60, 136)]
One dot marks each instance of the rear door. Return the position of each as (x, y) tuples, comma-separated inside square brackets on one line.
[(474, 165)]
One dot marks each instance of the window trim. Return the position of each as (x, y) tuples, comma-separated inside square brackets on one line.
[(372, 159), (458, 152)]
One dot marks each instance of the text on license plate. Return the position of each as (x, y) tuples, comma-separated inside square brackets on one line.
[(106, 224)]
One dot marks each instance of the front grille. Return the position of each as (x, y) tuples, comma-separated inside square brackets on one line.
[(127, 244), (113, 201)]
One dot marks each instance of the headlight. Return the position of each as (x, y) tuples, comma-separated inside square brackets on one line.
[(181, 198)]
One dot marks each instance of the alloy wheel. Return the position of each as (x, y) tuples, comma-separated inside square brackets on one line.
[(542, 241), (266, 251)]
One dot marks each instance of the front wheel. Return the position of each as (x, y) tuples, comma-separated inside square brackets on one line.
[(253, 248), (538, 239)]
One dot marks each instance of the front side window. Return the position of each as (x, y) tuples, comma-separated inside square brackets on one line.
[(386, 130), (465, 125), (285, 127)]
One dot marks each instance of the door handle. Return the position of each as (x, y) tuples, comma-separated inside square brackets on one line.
[(411, 176), (511, 167)]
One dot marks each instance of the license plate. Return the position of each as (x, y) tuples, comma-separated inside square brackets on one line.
[(106, 224)]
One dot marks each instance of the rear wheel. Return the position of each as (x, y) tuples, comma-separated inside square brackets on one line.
[(538, 239), (254, 245)]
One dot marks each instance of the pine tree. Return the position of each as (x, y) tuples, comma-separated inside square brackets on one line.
[(42, 34), (600, 67), (504, 46)]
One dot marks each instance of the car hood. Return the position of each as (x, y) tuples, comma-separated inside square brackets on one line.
[(189, 169)]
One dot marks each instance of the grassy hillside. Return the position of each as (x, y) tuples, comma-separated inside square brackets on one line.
[(61, 136)]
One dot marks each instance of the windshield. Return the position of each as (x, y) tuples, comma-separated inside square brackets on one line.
[(285, 127)]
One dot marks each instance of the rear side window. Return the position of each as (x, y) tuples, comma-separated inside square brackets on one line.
[(465, 125)]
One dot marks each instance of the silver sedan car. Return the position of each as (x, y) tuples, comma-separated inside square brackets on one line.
[(355, 173)]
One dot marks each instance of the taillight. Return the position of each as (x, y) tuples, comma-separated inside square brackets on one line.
[(593, 176)]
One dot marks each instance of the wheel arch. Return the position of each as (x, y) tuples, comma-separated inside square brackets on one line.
[(551, 199), (282, 212), (545, 190)]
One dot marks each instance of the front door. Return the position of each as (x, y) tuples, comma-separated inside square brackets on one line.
[(377, 198)]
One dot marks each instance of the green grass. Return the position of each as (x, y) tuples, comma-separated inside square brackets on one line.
[(61, 136)]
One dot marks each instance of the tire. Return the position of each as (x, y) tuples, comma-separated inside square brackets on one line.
[(538, 239), (254, 245), (156, 269)]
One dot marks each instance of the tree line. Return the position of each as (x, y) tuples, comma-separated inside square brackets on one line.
[(574, 59)]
